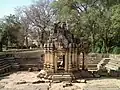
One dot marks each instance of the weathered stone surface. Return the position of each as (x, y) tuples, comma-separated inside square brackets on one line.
[(5, 66), (62, 78), (38, 81), (67, 84), (114, 73), (56, 81), (9, 83), (114, 63), (81, 81), (29, 69), (1, 87), (42, 74), (21, 82), (102, 63), (35, 68)]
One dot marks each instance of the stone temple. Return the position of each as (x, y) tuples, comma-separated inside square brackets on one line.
[(63, 49)]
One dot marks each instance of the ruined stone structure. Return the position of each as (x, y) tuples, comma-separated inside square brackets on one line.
[(62, 50)]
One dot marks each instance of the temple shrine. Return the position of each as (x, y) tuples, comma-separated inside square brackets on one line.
[(62, 50)]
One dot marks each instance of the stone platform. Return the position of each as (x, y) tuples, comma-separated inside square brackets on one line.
[(60, 78)]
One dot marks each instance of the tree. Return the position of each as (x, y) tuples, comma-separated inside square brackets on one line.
[(39, 15), (1, 36), (80, 15), (10, 28), (115, 19), (90, 19), (25, 26)]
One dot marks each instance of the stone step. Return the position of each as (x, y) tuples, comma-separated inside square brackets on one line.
[(5, 68), (10, 59), (5, 74), (14, 64), (1, 59), (111, 67), (92, 68), (103, 62), (2, 56), (3, 62), (114, 64), (5, 65), (115, 59), (62, 78)]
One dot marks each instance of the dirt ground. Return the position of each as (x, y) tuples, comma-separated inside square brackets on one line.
[(24, 81), (103, 84)]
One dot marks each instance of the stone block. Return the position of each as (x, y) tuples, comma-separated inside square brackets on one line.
[(39, 81), (29, 69), (81, 81), (62, 78), (21, 82), (42, 74), (67, 85), (56, 81), (114, 73), (35, 68)]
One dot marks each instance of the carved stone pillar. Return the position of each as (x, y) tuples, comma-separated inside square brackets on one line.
[(79, 60), (73, 58), (55, 62), (76, 59), (48, 61), (46, 64), (51, 61), (45, 58), (70, 61), (66, 61)]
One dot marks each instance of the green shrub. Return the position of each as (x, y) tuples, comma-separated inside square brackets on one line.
[(116, 50)]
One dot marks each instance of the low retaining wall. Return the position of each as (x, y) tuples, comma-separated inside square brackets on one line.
[(30, 59), (117, 56)]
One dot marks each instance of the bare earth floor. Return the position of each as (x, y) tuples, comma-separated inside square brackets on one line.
[(24, 81)]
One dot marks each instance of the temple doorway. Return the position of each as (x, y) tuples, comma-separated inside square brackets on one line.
[(61, 63)]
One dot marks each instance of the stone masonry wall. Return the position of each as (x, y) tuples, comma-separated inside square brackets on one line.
[(29, 59)]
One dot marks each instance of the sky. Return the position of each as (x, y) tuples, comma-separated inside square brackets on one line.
[(7, 7)]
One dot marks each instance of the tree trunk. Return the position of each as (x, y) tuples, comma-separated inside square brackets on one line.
[(92, 27), (93, 43), (39, 38), (0, 46), (83, 61), (26, 40), (42, 38), (106, 41)]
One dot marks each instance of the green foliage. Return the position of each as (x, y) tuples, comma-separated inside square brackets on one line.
[(10, 27), (96, 20), (115, 18), (116, 50)]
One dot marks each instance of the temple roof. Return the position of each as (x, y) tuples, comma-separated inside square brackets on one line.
[(64, 37)]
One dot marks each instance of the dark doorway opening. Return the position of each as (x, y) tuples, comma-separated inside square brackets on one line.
[(61, 62)]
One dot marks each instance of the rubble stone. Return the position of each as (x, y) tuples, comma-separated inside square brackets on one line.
[(42, 74)]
